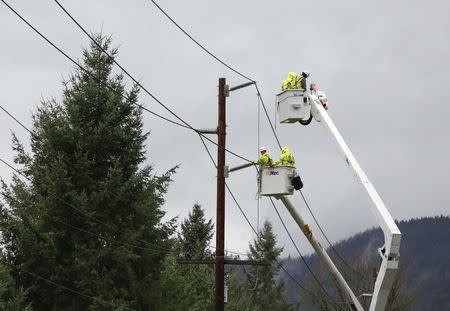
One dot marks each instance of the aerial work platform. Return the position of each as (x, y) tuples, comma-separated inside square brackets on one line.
[(277, 180), (298, 105), (292, 106)]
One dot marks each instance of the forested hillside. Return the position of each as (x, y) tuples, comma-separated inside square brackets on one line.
[(424, 262)]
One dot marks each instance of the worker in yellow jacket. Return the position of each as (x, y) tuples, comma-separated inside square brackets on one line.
[(295, 81), (264, 159), (286, 158)]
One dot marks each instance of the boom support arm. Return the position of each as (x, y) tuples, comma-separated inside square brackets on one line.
[(341, 283), (392, 235)]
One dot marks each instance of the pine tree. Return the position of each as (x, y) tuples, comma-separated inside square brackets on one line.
[(190, 287), (196, 234), (11, 297), (267, 293), (89, 218)]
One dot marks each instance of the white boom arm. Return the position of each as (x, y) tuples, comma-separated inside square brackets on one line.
[(392, 235), (340, 281)]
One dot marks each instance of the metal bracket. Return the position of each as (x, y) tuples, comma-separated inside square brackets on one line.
[(207, 131), (226, 171), (240, 86), (226, 90)]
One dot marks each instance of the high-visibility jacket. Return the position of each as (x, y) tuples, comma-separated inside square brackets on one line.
[(264, 160), (293, 81), (286, 157)]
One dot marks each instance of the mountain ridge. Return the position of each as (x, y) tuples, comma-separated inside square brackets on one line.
[(424, 254)]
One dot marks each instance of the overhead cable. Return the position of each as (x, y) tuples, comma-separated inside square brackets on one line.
[(257, 234), (37, 276), (301, 256), (200, 45), (223, 63), (185, 125), (326, 238), (86, 215)]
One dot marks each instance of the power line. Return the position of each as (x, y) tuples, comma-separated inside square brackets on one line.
[(58, 285), (33, 135), (132, 77), (256, 233), (200, 45), (84, 213), (162, 250), (185, 125), (331, 245), (267, 115), (122, 68), (59, 198), (300, 254), (223, 63)]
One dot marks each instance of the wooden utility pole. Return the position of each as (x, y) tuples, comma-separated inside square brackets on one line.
[(220, 214), (220, 261)]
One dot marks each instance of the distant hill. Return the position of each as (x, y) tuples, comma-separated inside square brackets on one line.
[(425, 252)]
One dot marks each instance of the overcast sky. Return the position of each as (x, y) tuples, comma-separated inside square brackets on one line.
[(383, 64)]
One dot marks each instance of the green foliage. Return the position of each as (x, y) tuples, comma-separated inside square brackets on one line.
[(262, 290), (185, 286), (240, 296), (196, 234), (89, 218), (11, 298)]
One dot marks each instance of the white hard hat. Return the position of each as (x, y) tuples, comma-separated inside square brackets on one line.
[(306, 73), (261, 149)]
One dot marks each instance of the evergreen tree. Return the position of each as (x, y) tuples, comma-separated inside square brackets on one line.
[(11, 297), (89, 219), (190, 287), (267, 293), (240, 295), (196, 234)]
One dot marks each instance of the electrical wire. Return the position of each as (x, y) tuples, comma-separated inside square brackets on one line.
[(37, 276), (223, 63), (300, 254), (85, 214), (256, 233), (134, 79), (59, 198), (162, 250), (326, 238), (33, 135), (267, 115), (259, 146), (185, 125), (200, 45)]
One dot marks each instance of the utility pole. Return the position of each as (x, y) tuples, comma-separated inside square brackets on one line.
[(220, 260), (220, 214)]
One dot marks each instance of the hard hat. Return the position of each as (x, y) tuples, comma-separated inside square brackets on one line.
[(306, 73), (262, 149)]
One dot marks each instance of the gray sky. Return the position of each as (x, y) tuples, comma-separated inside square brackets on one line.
[(383, 65)]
